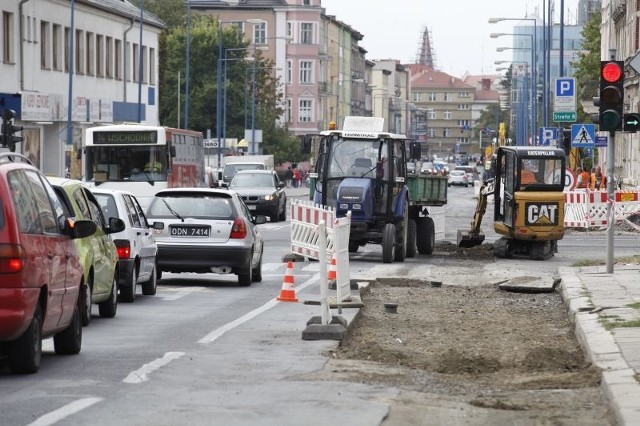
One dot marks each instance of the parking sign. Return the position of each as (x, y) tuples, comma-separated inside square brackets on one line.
[(565, 95)]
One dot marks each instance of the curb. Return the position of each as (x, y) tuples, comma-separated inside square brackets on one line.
[(618, 384)]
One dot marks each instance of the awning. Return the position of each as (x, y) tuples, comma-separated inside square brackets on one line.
[(243, 144)]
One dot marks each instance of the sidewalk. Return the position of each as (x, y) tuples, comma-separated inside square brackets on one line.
[(600, 305)]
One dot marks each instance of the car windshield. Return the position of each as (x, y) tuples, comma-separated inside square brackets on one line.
[(191, 206), (252, 180)]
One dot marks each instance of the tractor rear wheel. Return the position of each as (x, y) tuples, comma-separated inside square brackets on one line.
[(388, 243)]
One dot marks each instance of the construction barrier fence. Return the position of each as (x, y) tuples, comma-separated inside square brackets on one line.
[(588, 209)]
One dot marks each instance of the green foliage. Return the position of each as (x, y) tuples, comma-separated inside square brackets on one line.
[(587, 67), (490, 117), (172, 12)]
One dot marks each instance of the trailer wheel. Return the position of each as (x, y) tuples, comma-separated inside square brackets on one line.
[(353, 246), (426, 235), (411, 238), (388, 243)]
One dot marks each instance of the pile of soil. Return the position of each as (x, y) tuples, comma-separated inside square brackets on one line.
[(473, 346)]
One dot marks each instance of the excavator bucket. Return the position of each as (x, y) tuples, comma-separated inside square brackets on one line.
[(467, 239)]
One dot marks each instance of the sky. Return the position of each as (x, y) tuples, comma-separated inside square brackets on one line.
[(459, 29)]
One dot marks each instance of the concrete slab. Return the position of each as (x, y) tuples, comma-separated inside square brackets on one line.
[(530, 285), (324, 332)]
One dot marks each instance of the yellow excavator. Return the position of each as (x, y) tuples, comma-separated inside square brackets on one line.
[(528, 198)]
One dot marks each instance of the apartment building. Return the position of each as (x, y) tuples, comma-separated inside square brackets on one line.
[(109, 76), (448, 102)]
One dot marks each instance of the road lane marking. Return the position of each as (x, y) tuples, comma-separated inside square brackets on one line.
[(55, 416), (142, 374), (179, 294), (250, 315)]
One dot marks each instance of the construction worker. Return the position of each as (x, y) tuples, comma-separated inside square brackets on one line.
[(583, 178), (598, 180), (153, 166)]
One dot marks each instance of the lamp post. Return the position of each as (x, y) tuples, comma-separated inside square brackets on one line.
[(534, 63), (186, 82), (502, 49), (534, 112)]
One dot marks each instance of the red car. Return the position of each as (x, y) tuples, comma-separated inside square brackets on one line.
[(40, 273)]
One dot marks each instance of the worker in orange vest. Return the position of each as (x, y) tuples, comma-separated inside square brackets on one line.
[(583, 178), (598, 180)]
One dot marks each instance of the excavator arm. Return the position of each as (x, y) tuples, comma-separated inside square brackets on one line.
[(473, 237)]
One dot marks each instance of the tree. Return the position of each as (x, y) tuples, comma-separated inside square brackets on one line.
[(172, 12), (587, 67)]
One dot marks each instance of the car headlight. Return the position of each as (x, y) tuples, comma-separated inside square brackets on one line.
[(270, 197)]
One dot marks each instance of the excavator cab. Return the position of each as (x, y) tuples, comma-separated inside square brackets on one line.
[(528, 202)]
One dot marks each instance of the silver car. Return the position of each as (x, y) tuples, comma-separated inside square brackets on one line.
[(207, 230)]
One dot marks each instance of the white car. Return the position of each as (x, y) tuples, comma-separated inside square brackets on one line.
[(458, 177), (136, 245)]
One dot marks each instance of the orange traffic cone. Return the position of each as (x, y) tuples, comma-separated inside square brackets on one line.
[(331, 273), (288, 292)]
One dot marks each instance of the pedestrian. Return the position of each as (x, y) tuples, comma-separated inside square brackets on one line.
[(288, 176), (296, 178), (598, 181)]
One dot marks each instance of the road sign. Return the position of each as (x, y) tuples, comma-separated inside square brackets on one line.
[(583, 135), (570, 180), (631, 122), (548, 136), (565, 95), (564, 117), (602, 139)]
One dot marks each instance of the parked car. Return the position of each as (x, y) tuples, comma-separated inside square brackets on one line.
[(411, 168), (458, 177), (97, 252), (262, 191), (135, 245), (40, 271), (207, 230)]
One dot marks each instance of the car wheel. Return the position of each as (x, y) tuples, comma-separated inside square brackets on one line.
[(25, 352), (244, 278), (87, 305), (159, 274), (275, 215), (353, 246), (108, 308), (127, 292), (149, 288), (257, 272), (69, 340)]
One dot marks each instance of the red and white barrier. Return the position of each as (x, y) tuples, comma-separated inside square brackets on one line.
[(584, 208)]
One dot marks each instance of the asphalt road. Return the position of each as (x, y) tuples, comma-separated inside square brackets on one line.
[(205, 351)]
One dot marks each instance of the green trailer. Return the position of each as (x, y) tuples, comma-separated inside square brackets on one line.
[(424, 191)]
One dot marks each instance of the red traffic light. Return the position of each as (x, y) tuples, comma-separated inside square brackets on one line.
[(611, 72)]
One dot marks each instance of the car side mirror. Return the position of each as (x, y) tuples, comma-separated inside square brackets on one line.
[(81, 228), (157, 225), (259, 220), (280, 185), (115, 225)]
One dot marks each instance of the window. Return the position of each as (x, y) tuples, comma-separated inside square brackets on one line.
[(117, 58), (463, 123), (289, 75), (289, 29), (431, 133), (304, 111), (152, 65), (446, 132), (306, 2), (67, 37), (45, 45), (100, 55), (239, 25), (91, 52), (416, 96), (56, 38), (432, 97), (447, 97), (108, 60), (7, 37), (145, 65), (465, 94), (447, 115), (306, 33), (288, 111), (431, 113), (79, 45), (135, 62), (306, 74), (463, 106), (260, 33)]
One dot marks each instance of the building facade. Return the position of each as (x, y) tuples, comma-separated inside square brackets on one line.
[(108, 76)]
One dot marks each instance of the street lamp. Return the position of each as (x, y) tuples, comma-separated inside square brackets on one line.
[(534, 112), (219, 80), (534, 63)]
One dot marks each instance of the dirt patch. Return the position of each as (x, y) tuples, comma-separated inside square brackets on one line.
[(478, 348)]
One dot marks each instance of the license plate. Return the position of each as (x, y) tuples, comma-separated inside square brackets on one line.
[(252, 207), (189, 231)]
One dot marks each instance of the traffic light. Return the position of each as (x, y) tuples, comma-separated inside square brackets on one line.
[(611, 97), (8, 138)]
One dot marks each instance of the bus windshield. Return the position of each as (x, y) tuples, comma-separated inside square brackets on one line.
[(126, 163)]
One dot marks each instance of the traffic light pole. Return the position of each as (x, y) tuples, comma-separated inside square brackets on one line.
[(611, 214)]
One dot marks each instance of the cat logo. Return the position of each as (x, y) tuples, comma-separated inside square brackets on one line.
[(541, 214)]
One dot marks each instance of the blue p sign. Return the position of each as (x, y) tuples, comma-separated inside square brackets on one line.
[(564, 87)]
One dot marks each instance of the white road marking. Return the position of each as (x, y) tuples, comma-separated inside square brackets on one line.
[(55, 416), (250, 315), (272, 266), (142, 374), (180, 293)]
